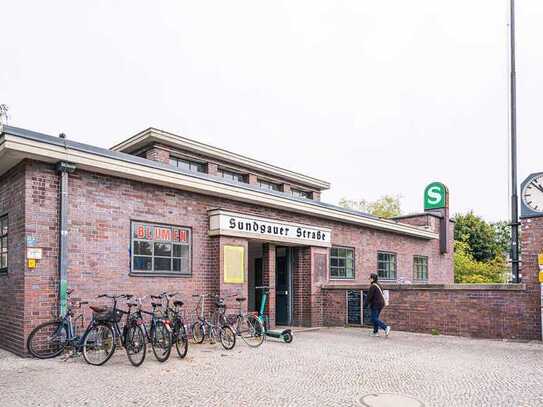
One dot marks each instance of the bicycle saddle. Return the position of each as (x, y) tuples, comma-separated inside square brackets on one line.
[(241, 299), (98, 308), (132, 304), (178, 303), (156, 304)]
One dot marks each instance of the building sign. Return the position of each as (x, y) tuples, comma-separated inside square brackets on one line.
[(435, 196), (235, 224), (145, 231), (34, 253), (234, 264)]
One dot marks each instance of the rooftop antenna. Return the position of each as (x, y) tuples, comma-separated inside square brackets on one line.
[(4, 114)]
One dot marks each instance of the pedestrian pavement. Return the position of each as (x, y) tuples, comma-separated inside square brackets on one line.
[(326, 367)]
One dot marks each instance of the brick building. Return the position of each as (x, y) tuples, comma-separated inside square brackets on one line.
[(162, 212)]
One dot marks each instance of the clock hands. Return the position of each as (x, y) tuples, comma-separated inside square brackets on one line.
[(535, 184)]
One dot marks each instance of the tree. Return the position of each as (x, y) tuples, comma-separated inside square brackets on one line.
[(469, 270), (4, 114), (480, 236), (388, 206), (502, 230)]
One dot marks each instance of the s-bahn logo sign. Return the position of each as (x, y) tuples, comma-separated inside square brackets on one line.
[(235, 224), (436, 196)]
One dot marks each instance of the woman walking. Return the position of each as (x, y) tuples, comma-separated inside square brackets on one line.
[(376, 303)]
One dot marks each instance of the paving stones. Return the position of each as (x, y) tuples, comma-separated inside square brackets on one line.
[(328, 367)]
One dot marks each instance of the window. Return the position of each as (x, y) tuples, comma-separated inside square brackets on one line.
[(233, 176), (420, 268), (270, 186), (386, 266), (341, 263), (300, 194), (189, 165), (4, 243), (160, 249)]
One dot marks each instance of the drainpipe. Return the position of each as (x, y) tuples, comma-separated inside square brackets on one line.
[(63, 168)]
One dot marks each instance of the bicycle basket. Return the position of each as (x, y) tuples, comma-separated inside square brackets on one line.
[(108, 315)]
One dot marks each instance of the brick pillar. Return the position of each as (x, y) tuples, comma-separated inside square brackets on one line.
[(253, 179), (316, 195), (212, 169), (531, 245), (285, 188), (158, 154), (229, 291), (301, 281), (268, 278)]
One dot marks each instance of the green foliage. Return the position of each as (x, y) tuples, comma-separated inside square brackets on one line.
[(388, 206), (483, 242), (435, 331), (469, 270), (503, 236)]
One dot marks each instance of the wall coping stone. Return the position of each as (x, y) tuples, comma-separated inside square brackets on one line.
[(435, 287)]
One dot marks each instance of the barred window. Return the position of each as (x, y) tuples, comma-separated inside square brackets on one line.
[(420, 268), (341, 263), (386, 265), (233, 176), (300, 194), (4, 243), (161, 249), (271, 186), (189, 165)]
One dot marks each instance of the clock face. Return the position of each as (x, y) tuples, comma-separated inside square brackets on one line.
[(532, 194)]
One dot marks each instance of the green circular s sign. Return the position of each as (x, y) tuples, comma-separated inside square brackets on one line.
[(435, 196)]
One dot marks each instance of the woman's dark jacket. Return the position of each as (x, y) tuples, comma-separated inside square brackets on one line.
[(375, 299)]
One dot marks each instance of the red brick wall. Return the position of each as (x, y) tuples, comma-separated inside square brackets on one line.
[(100, 210), (494, 312), (12, 283)]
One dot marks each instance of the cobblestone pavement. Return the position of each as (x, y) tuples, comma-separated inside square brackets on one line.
[(328, 367)]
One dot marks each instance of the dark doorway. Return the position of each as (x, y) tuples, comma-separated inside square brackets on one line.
[(282, 286)]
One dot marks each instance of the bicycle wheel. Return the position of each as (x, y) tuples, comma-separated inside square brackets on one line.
[(197, 332), (252, 331), (136, 347), (47, 340), (227, 337), (161, 341), (99, 344), (181, 342)]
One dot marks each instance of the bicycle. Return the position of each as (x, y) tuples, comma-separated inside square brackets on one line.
[(159, 333), (50, 339), (131, 337), (215, 329), (249, 326), (179, 332)]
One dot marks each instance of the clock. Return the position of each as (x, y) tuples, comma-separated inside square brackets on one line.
[(532, 195)]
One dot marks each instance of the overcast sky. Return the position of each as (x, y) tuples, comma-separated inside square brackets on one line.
[(377, 97)]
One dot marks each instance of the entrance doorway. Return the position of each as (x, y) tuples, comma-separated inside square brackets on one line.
[(283, 286)]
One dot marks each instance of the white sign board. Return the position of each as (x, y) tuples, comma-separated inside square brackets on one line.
[(241, 225), (34, 253)]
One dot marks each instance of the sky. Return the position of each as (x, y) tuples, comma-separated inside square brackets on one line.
[(376, 97)]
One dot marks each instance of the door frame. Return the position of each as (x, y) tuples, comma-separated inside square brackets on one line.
[(290, 268)]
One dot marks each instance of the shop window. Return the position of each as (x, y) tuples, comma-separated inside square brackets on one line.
[(270, 186), (4, 243), (300, 194), (341, 263), (233, 176), (420, 268), (188, 165), (386, 266), (161, 249)]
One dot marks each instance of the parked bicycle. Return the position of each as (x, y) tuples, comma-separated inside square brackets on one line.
[(98, 349), (248, 325), (216, 328), (176, 320)]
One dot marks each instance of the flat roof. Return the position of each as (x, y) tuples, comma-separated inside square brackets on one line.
[(17, 144), (153, 135)]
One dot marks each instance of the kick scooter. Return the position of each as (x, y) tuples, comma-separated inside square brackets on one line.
[(285, 334)]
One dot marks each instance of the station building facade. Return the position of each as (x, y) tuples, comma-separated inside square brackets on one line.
[(160, 212)]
